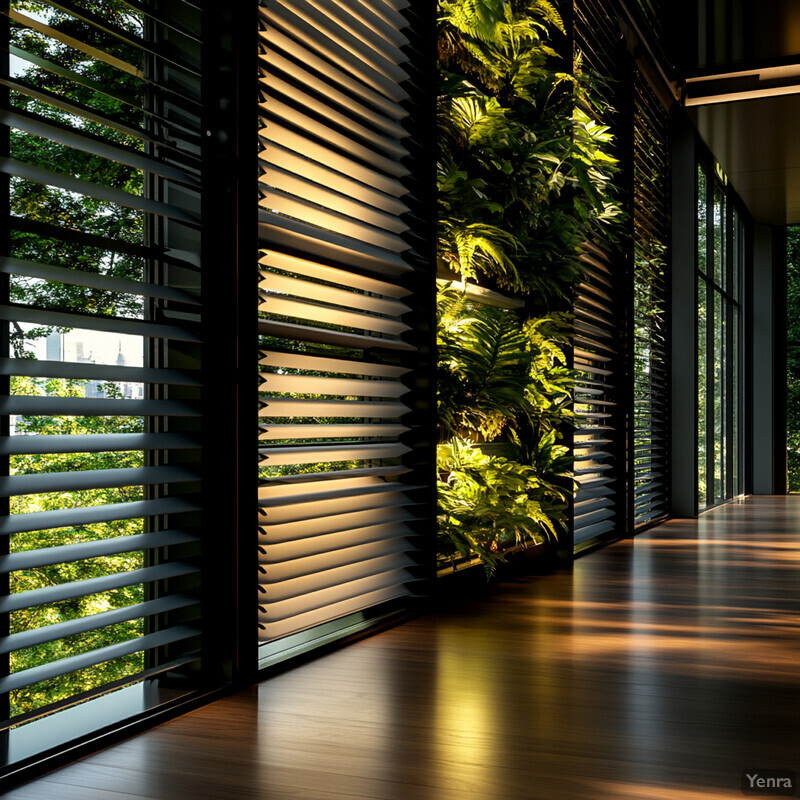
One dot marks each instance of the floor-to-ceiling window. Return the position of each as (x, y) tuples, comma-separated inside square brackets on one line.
[(793, 358), (720, 251)]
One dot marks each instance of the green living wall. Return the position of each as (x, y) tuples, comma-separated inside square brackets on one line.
[(524, 177)]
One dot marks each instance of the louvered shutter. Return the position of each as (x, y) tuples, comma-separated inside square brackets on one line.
[(651, 279), (100, 447), (338, 267), (599, 330), (597, 441)]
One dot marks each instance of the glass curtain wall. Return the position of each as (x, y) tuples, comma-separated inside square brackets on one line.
[(720, 253), (793, 358)]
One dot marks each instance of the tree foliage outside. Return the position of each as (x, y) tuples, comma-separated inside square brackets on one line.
[(793, 357), (39, 203), (524, 176)]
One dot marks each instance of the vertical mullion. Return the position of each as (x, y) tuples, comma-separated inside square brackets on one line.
[(690, 165), (5, 380), (730, 353), (741, 360), (566, 551), (425, 320), (709, 377), (229, 45), (710, 428), (152, 272), (245, 663), (720, 399)]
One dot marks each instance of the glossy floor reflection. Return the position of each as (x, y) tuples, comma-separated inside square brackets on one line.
[(658, 669)]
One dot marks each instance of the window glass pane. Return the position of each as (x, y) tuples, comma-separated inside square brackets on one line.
[(793, 358), (720, 258), (702, 220), (720, 397), (701, 393), (737, 489), (736, 255), (719, 236)]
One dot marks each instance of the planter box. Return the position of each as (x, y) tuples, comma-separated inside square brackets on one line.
[(468, 579)]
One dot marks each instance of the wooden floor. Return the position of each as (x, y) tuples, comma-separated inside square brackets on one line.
[(658, 669)]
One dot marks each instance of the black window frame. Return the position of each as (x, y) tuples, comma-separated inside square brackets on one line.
[(732, 299)]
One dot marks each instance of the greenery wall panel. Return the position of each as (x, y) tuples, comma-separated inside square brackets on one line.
[(524, 174)]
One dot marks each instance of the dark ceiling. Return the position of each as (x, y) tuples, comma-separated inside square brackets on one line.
[(745, 46), (757, 143)]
